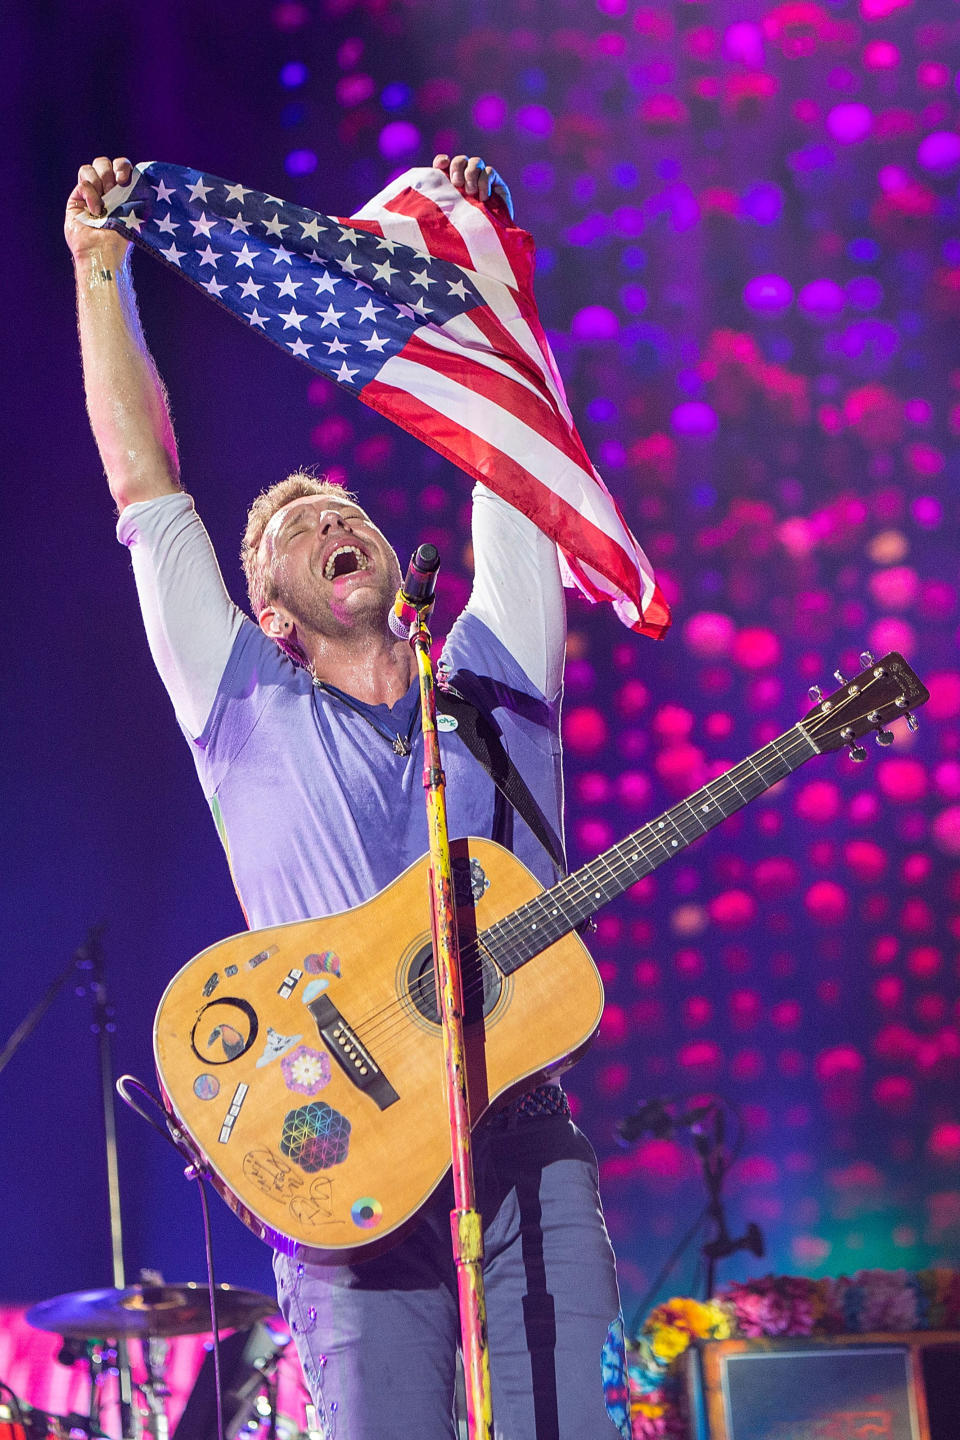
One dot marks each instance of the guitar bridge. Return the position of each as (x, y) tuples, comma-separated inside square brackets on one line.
[(353, 1058)]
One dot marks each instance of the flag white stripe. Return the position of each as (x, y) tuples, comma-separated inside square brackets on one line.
[(502, 431), (461, 336)]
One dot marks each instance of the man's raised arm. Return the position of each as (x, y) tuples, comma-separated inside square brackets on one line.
[(126, 400)]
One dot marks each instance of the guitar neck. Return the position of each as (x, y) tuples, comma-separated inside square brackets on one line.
[(514, 940)]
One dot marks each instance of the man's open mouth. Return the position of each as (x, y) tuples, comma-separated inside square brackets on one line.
[(345, 560)]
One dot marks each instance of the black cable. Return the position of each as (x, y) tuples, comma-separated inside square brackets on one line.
[(208, 1245), (672, 1259)]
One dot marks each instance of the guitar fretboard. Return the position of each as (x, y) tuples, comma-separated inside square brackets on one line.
[(513, 941)]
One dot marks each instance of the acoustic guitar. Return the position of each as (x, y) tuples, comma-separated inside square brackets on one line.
[(303, 1063)]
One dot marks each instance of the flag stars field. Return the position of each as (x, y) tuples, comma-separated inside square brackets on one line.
[(412, 333)]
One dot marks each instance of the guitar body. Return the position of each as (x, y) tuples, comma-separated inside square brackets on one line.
[(305, 1061)]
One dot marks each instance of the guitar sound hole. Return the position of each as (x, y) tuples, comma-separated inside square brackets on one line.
[(479, 996)]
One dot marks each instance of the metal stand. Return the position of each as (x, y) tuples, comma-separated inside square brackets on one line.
[(465, 1222)]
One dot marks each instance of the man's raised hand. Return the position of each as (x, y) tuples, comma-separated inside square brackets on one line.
[(474, 177), (86, 199)]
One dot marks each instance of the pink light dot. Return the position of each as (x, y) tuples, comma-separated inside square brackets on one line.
[(398, 139), (944, 702), (756, 649), (594, 835), (614, 1026), (850, 122), (709, 634), (927, 511), (892, 634), (593, 788), (632, 697), (924, 961), (535, 120), (895, 1092), (925, 460), (881, 55), (866, 859), (732, 908), (680, 767), (946, 779), (757, 1170), (594, 323), (743, 43), (917, 869), (933, 75), (945, 831), (826, 901), (633, 788), (843, 1062), (902, 780), (718, 725), (889, 991), (349, 53), (895, 588), (672, 722), (880, 9), (585, 730), (704, 1056), (775, 876), (944, 1141), (818, 801), (916, 916), (646, 973), (489, 112), (354, 89), (918, 412), (698, 1010), (613, 1080), (745, 1008)]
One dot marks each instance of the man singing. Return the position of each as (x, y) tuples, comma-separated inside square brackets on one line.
[(304, 725)]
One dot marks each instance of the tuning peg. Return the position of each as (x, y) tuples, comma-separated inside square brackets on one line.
[(857, 753), (912, 722), (815, 693), (884, 737), (839, 676), (866, 658)]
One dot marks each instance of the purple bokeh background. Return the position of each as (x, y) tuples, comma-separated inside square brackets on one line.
[(749, 269)]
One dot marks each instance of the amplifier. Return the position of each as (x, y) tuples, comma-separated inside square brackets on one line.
[(845, 1387)]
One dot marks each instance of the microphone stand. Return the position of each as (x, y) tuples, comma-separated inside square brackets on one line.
[(103, 1027), (465, 1222)]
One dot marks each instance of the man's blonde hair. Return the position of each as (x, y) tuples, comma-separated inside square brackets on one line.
[(260, 585)]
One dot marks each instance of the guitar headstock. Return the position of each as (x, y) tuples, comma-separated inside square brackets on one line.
[(885, 690)]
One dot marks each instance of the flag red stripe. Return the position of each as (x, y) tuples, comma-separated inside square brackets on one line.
[(439, 235), (564, 525), (507, 393)]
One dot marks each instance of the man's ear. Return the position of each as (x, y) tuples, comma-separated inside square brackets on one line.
[(274, 624)]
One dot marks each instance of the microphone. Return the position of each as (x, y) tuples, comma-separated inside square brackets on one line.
[(416, 594)]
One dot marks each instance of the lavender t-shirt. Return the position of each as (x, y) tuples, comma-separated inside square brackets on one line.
[(315, 809)]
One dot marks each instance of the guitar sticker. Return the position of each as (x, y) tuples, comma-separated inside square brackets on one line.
[(313, 989), (306, 1071), (262, 955), (289, 983), (230, 1119), (276, 1046), (315, 1137), (326, 963), (206, 1087), (223, 1031), (366, 1212), (212, 984)]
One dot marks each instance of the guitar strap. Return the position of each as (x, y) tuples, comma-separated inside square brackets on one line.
[(480, 733)]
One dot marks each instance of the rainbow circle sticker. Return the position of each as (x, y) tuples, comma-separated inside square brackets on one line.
[(366, 1212), (206, 1087)]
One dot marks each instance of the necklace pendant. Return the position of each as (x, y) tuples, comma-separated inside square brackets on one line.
[(400, 746)]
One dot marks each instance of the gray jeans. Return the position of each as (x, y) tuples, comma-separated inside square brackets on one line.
[(378, 1340)]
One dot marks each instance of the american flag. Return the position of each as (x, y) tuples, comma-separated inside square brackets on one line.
[(422, 305)]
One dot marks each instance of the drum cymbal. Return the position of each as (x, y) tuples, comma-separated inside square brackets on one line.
[(162, 1310)]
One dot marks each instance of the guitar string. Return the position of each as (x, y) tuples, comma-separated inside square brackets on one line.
[(380, 1025), (507, 929), (578, 889), (580, 886)]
